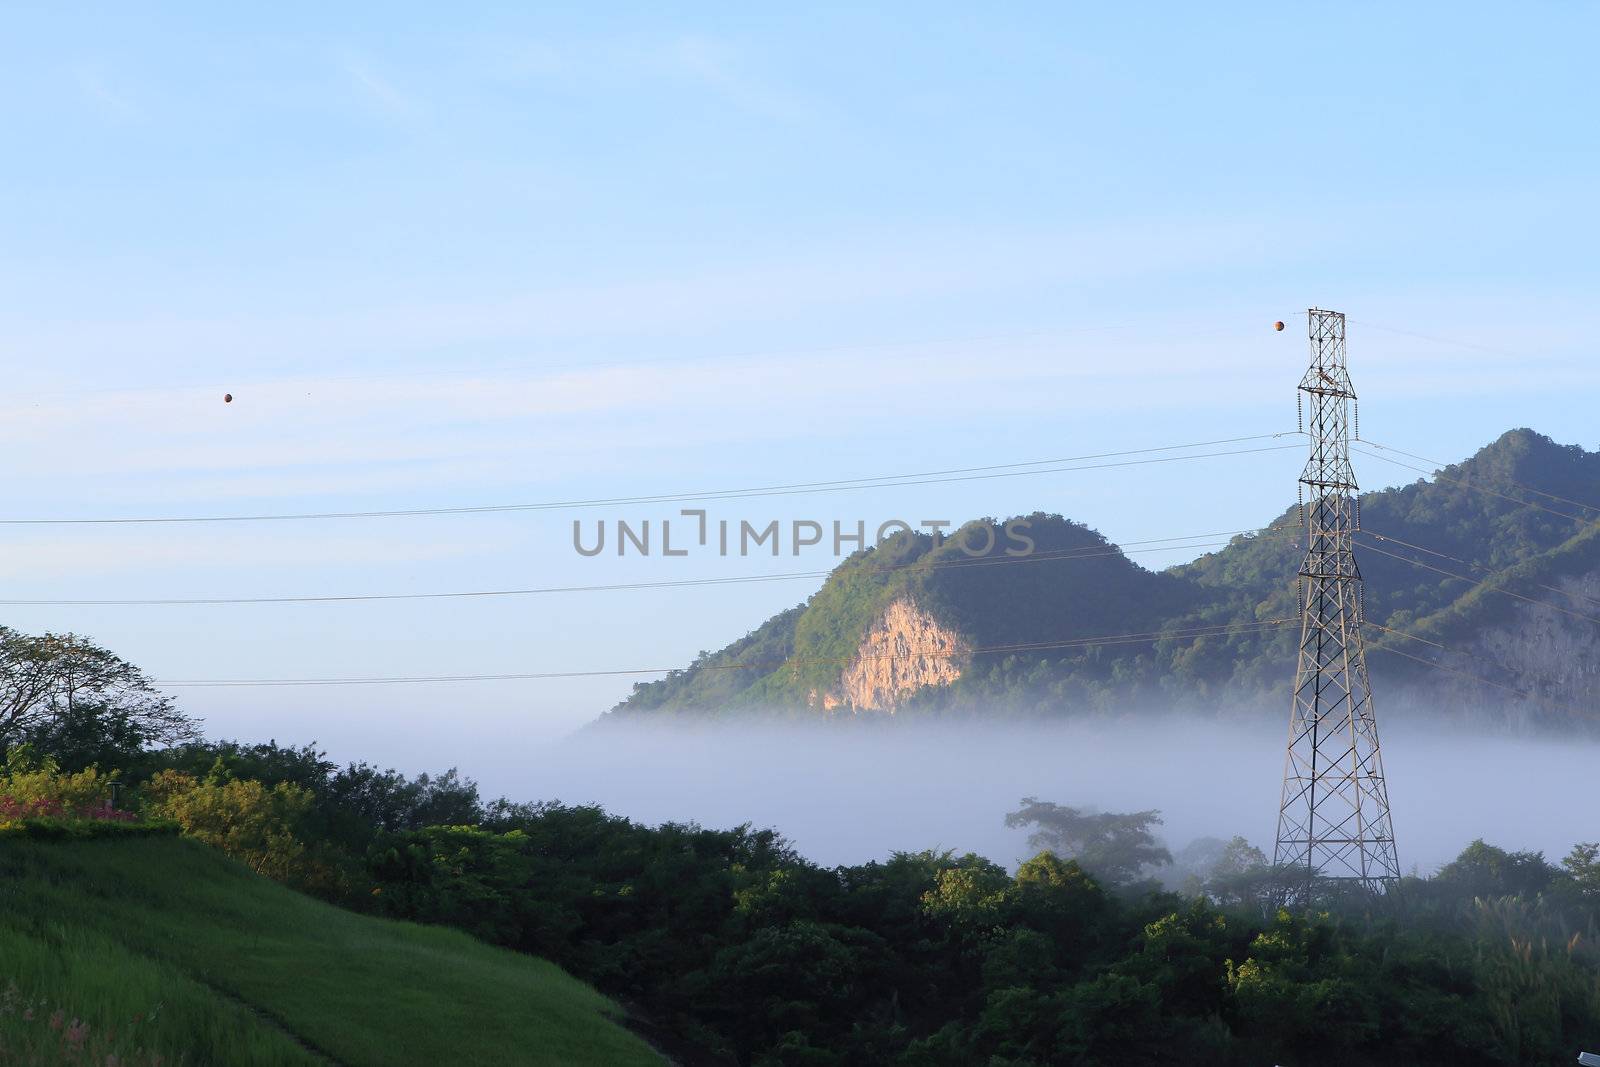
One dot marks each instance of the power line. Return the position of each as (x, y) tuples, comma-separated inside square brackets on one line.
[(1164, 544), (1476, 566), (1111, 640), (965, 474), (1524, 693), (1402, 633), (1190, 633), (1436, 475), (454, 595), (1484, 585), (1518, 485), (1438, 340)]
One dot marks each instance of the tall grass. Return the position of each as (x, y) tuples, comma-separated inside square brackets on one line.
[(159, 950), (1535, 967)]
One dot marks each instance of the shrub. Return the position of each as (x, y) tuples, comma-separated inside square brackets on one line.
[(247, 820), (35, 794)]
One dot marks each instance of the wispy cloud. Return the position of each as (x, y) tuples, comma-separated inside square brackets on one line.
[(701, 62), (659, 410), (512, 436), (882, 272), (99, 92), (375, 90), (723, 69)]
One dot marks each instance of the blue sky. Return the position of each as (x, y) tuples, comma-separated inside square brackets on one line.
[(535, 255)]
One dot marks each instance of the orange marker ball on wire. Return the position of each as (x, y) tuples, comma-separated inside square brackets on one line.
[(1278, 326)]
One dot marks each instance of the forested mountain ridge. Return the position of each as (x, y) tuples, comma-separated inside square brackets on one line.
[(1489, 568)]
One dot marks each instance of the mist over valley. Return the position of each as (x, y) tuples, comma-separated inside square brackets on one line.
[(852, 793)]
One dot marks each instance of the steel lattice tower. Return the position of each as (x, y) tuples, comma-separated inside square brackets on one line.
[(1333, 821)]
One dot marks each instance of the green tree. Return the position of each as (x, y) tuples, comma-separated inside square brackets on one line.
[(1582, 865), (1117, 849), (80, 702), (1483, 870)]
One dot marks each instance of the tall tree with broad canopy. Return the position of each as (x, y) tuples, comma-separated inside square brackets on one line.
[(1116, 848), (79, 702)]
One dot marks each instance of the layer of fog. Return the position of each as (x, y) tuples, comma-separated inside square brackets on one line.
[(852, 793)]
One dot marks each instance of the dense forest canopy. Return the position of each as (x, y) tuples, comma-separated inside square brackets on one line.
[(730, 948)]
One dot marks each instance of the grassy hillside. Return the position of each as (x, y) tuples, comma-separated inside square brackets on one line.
[(164, 951)]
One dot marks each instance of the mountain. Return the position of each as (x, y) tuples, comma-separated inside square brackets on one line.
[(1489, 568)]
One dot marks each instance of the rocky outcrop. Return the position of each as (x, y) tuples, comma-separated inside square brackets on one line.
[(904, 650), (1547, 654)]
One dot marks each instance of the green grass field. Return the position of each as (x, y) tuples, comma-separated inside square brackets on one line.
[(165, 952)]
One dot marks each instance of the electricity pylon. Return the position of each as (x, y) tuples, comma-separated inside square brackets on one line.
[(1333, 821)]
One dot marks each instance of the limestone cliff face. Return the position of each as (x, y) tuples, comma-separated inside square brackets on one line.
[(903, 651)]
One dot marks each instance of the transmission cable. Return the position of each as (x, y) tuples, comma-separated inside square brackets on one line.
[(1478, 488), (1526, 694), (1476, 566), (960, 474), (1189, 633), (1440, 464), (1484, 585), (1164, 544), (1436, 339)]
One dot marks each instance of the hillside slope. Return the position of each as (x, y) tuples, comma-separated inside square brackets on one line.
[(914, 627), (161, 947)]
